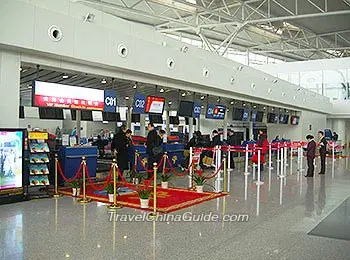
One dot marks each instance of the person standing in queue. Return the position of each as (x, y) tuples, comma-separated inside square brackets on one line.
[(231, 142), (153, 148), (120, 146), (310, 155), (323, 150), (215, 139), (263, 145)]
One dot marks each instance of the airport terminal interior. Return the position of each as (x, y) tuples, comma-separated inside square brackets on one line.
[(183, 129)]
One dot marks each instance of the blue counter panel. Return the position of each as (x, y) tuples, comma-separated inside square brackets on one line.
[(70, 159)]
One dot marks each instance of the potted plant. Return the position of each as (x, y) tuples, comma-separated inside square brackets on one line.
[(110, 192), (199, 179), (144, 193), (75, 188), (165, 179)]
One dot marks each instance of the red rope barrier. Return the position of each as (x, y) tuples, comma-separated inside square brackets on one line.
[(178, 174), (64, 177), (149, 171), (216, 173), (108, 180)]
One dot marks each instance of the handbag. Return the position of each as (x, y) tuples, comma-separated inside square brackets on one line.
[(157, 150)]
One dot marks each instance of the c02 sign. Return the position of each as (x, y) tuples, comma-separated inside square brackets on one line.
[(140, 103)]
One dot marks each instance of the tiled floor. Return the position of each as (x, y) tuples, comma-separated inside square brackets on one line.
[(277, 228)]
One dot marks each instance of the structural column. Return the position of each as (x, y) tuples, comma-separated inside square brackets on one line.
[(10, 64), (339, 126), (143, 125)]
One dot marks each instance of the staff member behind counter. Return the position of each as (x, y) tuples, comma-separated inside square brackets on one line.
[(120, 145)]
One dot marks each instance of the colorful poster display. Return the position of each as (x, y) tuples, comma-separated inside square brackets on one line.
[(154, 105), (55, 95), (216, 111), (11, 163)]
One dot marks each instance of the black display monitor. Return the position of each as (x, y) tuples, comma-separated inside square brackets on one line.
[(86, 115), (21, 111), (259, 116), (135, 118), (50, 113), (155, 119), (186, 108), (109, 116), (271, 117), (174, 120), (237, 114)]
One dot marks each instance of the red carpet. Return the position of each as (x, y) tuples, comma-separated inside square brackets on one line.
[(168, 200)]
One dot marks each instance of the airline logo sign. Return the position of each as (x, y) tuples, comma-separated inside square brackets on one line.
[(110, 101), (197, 110), (215, 111), (139, 104)]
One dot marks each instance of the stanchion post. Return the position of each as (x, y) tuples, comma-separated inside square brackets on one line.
[(333, 152), (291, 159), (154, 213), (224, 189), (84, 199), (56, 195), (190, 184), (165, 156), (115, 205), (229, 158), (270, 156)]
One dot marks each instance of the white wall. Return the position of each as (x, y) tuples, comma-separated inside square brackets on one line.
[(317, 122), (292, 132), (31, 123), (9, 88), (144, 44)]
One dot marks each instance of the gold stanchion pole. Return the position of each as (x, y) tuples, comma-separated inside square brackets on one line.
[(154, 213), (225, 176), (115, 204), (165, 156), (56, 195), (84, 199)]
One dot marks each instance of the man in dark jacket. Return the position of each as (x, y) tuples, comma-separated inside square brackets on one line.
[(215, 139), (120, 147), (153, 148), (323, 150), (310, 155), (231, 142)]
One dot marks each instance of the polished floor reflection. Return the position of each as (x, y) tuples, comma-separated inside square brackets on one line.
[(281, 214)]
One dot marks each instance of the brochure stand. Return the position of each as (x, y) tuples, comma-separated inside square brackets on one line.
[(38, 165)]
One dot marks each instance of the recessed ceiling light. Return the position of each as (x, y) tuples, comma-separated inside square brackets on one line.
[(103, 81), (228, 110), (265, 78), (244, 104), (269, 90), (232, 80), (65, 76), (202, 97), (183, 94), (287, 111), (273, 109), (161, 90), (135, 86), (202, 106), (29, 86), (218, 100), (170, 102), (264, 108), (232, 102), (20, 68), (253, 85), (254, 106), (127, 98), (294, 97)]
